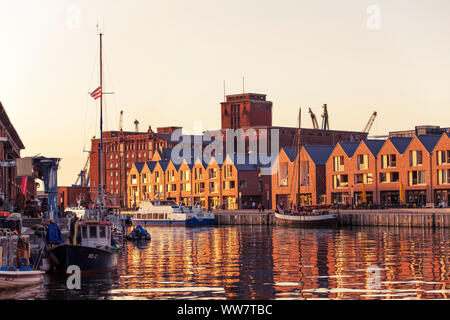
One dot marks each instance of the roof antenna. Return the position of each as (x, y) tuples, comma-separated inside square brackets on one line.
[(243, 85), (224, 95)]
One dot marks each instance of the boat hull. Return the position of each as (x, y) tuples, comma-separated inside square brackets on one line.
[(15, 279), (307, 221), (189, 222), (90, 260)]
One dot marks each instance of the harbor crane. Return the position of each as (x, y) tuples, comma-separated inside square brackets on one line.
[(325, 122), (314, 119), (136, 125), (370, 122), (84, 175)]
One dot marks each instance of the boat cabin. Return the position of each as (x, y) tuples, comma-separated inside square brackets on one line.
[(95, 234)]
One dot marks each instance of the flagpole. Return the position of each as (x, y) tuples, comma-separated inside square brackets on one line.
[(101, 125)]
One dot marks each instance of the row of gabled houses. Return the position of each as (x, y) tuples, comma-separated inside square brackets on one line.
[(218, 184), (396, 171)]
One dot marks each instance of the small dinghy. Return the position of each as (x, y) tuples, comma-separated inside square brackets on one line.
[(11, 277), (138, 234)]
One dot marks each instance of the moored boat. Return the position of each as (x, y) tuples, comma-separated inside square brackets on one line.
[(94, 254), (167, 212), (306, 217), (13, 278)]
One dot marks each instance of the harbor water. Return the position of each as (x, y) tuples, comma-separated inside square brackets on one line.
[(270, 262)]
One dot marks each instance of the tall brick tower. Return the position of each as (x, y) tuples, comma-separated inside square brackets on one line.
[(246, 110)]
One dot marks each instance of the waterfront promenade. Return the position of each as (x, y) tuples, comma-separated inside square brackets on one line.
[(427, 218)]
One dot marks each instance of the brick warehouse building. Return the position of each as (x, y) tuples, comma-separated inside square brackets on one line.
[(121, 150), (252, 111)]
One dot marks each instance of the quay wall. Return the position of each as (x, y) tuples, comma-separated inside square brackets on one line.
[(424, 218), (250, 217)]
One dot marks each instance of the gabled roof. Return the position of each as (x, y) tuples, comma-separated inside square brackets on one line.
[(429, 141), (151, 165), (374, 145), (349, 147), (400, 143), (139, 166), (291, 153), (164, 164), (319, 154), (243, 162)]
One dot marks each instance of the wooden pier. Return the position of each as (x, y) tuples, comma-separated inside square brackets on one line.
[(423, 218)]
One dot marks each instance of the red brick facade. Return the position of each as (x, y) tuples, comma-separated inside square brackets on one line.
[(121, 150)]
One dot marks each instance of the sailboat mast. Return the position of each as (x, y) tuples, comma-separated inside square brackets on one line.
[(101, 123), (298, 155)]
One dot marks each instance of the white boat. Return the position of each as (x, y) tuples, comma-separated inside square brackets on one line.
[(11, 277), (167, 212)]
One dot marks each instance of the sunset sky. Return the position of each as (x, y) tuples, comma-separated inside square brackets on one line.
[(166, 62)]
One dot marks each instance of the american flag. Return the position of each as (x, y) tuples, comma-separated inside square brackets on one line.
[(96, 93)]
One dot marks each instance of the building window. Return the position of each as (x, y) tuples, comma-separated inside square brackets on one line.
[(363, 162), (283, 176), (417, 178), (338, 163), (388, 161), (415, 158), (365, 178), (133, 179), (340, 181), (243, 184), (200, 187), (198, 173), (443, 157), (443, 176), (228, 171), (212, 173), (212, 187)]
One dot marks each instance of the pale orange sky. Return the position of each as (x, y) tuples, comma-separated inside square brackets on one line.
[(166, 62)]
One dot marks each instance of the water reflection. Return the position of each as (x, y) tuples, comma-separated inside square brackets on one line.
[(268, 262)]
